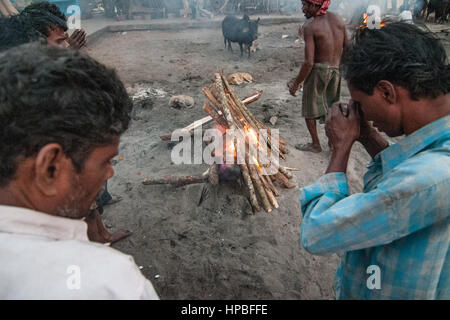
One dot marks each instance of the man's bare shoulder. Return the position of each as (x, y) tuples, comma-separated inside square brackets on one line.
[(309, 28), (335, 19)]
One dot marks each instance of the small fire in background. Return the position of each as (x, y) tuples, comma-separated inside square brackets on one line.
[(365, 22), (365, 18)]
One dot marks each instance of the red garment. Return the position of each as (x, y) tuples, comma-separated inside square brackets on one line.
[(325, 5)]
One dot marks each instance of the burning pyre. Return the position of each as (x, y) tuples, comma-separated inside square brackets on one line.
[(254, 149), (366, 19)]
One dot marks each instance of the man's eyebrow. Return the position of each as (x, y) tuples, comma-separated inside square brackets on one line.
[(114, 154)]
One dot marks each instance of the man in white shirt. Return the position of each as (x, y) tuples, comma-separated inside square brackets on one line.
[(61, 117)]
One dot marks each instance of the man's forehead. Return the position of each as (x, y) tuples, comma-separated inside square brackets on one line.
[(108, 150), (58, 31)]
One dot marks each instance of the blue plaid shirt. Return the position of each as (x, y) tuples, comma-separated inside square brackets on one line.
[(400, 223)]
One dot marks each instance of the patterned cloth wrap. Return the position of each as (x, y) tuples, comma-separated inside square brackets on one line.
[(325, 5)]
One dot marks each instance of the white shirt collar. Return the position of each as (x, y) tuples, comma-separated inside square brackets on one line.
[(29, 222)]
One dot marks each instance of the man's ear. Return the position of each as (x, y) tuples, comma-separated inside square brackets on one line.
[(50, 165), (387, 91)]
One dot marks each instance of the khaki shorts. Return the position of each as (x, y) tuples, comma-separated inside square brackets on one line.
[(321, 89)]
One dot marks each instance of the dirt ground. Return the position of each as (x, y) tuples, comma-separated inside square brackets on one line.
[(218, 250)]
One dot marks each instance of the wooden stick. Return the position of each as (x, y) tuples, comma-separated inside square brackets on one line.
[(213, 174), (245, 170), (205, 120), (268, 190), (211, 98), (259, 187), (215, 115), (259, 124), (286, 172), (252, 120), (176, 181), (249, 184), (282, 178), (253, 98), (272, 186), (248, 117)]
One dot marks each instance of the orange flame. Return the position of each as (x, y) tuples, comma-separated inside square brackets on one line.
[(251, 134), (257, 164), (366, 19)]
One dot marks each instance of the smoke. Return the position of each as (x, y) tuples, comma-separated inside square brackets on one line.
[(352, 10), (349, 8)]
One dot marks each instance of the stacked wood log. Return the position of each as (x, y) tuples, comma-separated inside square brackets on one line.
[(230, 113), (225, 107)]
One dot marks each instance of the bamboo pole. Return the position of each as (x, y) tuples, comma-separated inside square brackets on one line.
[(248, 182), (282, 178), (253, 121), (208, 94), (272, 186), (215, 115), (259, 187), (268, 190), (284, 171), (245, 170), (175, 180)]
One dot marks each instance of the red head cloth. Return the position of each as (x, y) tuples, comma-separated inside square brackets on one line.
[(325, 4)]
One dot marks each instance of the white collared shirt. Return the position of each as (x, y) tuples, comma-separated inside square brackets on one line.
[(49, 257)]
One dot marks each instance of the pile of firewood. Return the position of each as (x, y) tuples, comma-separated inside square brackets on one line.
[(230, 113)]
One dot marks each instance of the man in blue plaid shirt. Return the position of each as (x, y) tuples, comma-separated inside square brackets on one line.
[(394, 237)]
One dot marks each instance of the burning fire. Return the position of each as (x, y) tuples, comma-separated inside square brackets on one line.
[(257, 165), (251, 134), (366, 20)]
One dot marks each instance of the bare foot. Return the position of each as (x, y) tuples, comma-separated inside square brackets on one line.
[(309, 148), (119, 235), (97, 231)]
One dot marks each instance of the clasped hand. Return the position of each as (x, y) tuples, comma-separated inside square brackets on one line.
[(78, 39), (343, 125)]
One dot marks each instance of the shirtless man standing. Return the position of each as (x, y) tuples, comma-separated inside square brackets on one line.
[(325, 39)]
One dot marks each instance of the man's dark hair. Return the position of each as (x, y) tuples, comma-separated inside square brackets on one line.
[(400, 53), (45, 17), (16, 30), (53, 95)]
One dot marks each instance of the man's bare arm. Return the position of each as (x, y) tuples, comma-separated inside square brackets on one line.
[(308, 64)]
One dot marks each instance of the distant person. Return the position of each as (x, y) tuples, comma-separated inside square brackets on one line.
[(48, 19), (193, 5), (325, 38), (394, 237), (61, 118)]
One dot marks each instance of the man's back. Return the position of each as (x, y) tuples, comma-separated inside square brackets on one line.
[(329, 38)]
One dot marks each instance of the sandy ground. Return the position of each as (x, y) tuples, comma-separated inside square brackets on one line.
[(218, 250)]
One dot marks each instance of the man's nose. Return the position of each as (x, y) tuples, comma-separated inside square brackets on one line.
[(110, 173)]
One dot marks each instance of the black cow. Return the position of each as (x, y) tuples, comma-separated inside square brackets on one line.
[(242, 31), (441, 9)]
